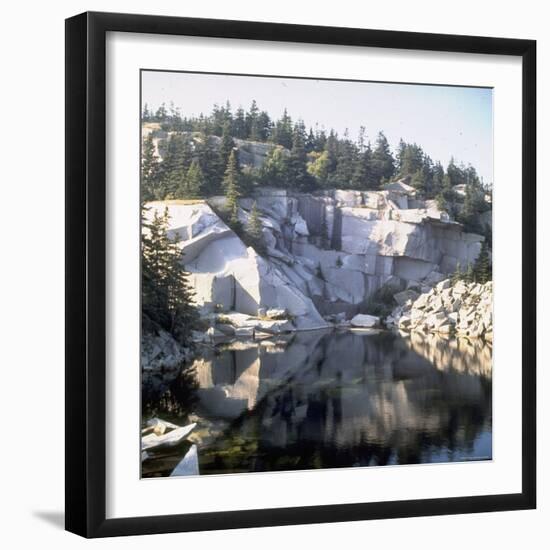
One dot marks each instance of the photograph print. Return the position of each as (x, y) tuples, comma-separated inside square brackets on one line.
[(316, 273)]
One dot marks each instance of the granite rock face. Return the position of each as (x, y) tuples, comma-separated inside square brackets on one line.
[(326, 254)]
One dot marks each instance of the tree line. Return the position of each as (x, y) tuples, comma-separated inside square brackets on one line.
[(197, 157)]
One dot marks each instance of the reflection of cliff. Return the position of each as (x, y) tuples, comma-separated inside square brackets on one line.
[(346, 398)]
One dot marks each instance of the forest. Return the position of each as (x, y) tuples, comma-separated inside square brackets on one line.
[(198, 163)]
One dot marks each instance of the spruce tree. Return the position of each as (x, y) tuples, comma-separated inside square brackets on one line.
[(226, 146), (193, 184), (483, 271), (232, 191), (298, 176), (254, 230), (167, 298), (239, 124), (252, 125), (209, 161), (346, 165), (383, 163), (282, 132), (149, 169)]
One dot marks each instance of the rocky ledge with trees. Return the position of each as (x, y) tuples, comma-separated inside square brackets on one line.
[(254, 227)]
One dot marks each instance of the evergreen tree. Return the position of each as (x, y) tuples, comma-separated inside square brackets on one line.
[(310, 141), (232, 191), (149, 169), (252, 122), (383, 164), (411, 159), (209, 161), (161, 113), (457, 275), (298, 176), (437, 180), (254, 230), (282, 132), (167, 298), (226, 146), (193, 185), (178, 160), (346, 164), (483, 270), (455, 174), (239, 124), (146, 114)]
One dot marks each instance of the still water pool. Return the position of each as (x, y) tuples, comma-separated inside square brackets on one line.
[(336, 399)]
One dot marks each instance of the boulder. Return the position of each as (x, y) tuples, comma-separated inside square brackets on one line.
[(440, 287), (276, 313), (365, 321)]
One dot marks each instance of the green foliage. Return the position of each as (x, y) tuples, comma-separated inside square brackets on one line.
[(383, 164), (381, 303), (297, 174), (274, 169), (167, 297), (149, 168), (483, 269), (192, 186), (232, 191), (301, 160), (254, 237)]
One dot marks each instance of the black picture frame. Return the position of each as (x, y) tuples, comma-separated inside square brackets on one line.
[(86, 279)]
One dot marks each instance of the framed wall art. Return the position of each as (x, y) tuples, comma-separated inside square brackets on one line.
[(300, 274)]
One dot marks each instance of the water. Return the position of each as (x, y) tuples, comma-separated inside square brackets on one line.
[(340, 399)]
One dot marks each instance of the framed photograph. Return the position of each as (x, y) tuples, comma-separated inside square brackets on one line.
[(300, 274)]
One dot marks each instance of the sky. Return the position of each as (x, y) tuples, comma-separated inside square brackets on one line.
[(444, 120)]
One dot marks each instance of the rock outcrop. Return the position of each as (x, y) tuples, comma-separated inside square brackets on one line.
[(326, 254), (464, 309)]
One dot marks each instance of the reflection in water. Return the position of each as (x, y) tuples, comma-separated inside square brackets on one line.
[(337, 399)]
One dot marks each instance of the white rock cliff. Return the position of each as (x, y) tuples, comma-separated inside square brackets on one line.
[(326, 253)]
